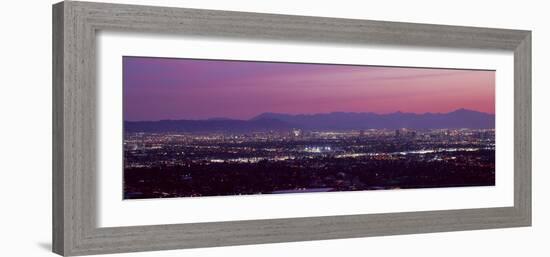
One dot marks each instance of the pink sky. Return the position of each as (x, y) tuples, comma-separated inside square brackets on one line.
[(163, 88)]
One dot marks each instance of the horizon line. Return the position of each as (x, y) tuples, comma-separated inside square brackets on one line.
[(307, 114)]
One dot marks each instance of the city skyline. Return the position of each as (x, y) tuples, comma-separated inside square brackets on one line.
[(168, 88)]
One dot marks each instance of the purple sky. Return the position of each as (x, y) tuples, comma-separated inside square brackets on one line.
[(162, 88)]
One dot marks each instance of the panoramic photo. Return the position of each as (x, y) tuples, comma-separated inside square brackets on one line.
[(197, 127)]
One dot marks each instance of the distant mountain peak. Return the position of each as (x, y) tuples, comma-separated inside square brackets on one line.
[(459, 118), (464, 110), (266, 115)]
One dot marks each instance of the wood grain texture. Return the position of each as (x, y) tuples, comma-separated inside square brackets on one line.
[(57, 123), (522, 128), (74, 124)]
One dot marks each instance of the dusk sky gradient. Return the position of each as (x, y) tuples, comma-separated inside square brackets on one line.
[(166, 88)]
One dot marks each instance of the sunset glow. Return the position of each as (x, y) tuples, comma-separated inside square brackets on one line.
[(167, 88)]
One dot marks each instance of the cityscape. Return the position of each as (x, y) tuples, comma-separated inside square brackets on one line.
[(159, 165), (198, 128)]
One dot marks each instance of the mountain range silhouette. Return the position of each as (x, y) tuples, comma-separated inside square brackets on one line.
[(461, 118)]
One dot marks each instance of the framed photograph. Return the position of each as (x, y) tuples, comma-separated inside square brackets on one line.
[(183, 128)]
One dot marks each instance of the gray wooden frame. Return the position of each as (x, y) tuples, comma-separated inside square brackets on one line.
[(75, 25)]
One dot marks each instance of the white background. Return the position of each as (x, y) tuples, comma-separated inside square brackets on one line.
[(25, 131)]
